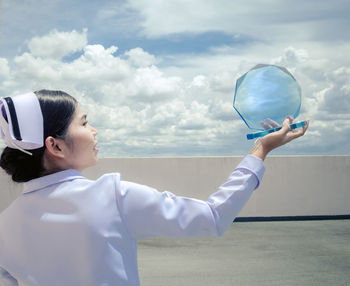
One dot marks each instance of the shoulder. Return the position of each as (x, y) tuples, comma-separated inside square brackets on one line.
[(107, 185), (111, 179), (120, 185)]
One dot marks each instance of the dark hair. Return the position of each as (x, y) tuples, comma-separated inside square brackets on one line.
[(58, 110)]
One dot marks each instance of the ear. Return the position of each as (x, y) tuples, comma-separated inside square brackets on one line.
[(55, 147)]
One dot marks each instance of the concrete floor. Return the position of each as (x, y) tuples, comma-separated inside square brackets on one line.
[(252, 253)]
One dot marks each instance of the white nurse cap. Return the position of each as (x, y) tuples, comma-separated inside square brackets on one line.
[(21, 122)]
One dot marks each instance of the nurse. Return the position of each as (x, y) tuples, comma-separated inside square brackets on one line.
[(67, 230)]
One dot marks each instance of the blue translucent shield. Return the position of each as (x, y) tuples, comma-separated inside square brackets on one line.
[(266, 91)]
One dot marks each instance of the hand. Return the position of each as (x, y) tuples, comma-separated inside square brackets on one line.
[(276, 139)]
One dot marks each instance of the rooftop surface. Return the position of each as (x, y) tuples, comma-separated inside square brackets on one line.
[(289, 253)]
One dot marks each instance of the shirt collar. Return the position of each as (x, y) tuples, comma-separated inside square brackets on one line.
[(55, 178)]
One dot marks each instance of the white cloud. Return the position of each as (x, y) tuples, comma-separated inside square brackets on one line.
[(291, 57), (29, 67), (336, 99), (57, 44), (4, 67), (222, 110), (150, 84), (145, 103), (141, 108), (195, 117), (97, 63), (140, 58), (199, 81)]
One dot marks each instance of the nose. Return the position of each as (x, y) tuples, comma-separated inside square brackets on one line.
[(94, 131)]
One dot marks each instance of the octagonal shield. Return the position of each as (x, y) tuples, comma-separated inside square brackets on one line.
[(266, 92)]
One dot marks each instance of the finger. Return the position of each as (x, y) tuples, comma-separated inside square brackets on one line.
[(299, 132), (274, 124), (264, 125), (307, 126), (285, 125), (304, 128)]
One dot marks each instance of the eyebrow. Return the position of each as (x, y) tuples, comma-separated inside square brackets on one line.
[(83, 117)]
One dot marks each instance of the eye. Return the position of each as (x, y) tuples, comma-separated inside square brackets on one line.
[(85, 123)]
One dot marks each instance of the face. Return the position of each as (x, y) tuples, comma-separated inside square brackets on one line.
[(81, 151)]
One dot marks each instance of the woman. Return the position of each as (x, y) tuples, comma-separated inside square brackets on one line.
[(67, 230)]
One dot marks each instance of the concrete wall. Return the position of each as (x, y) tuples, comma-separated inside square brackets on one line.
[(292, 186)]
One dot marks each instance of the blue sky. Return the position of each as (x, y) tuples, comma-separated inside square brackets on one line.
[(157, 77)]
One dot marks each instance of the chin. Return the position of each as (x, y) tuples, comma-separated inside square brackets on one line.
[(94, 162), (90, 164)]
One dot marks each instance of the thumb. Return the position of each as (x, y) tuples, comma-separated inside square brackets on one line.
[(285, 125)]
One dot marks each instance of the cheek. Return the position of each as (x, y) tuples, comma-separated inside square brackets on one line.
[(82, 140)]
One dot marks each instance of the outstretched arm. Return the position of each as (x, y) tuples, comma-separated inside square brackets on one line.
[(149, 213)]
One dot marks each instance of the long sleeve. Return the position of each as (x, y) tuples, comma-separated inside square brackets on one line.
[(6, 279), (149, 213)]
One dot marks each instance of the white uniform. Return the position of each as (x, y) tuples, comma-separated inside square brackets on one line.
[(66, 230)]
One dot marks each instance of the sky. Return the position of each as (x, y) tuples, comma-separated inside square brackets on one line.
[(157, 78)]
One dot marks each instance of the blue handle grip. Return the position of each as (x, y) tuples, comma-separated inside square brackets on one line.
[(263, 133)]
